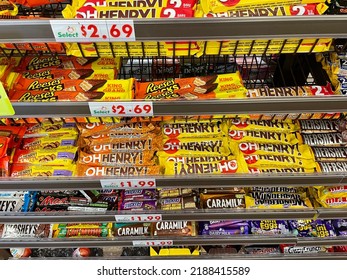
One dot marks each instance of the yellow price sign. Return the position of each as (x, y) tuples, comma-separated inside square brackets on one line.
[(6, 108)]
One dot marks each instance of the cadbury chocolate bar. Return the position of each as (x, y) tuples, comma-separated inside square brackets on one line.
[(174, 228), (222, 201), (133, 229), (269, 227)]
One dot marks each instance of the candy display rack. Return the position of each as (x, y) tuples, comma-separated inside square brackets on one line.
[(278, 72)]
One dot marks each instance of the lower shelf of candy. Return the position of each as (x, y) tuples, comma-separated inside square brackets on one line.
[(282, 251)]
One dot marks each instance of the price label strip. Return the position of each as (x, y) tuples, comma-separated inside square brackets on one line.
[(148, 183), (121, 109), (135, 218), (93, 30), (149, 243), (6, 108)]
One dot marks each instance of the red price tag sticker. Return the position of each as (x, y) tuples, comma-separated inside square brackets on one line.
[(149, 243), (148, 183), (121, 109), (93, 30), (121, 30), (135, 218)]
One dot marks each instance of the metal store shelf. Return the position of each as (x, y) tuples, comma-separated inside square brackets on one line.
[(283, 105), (190, 29), (105, 242), (183, 241), (196, 215), (332, 213), (236, 180)]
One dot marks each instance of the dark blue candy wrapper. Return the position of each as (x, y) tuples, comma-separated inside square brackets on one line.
[(340, 226), (312, 228), (224, 227)]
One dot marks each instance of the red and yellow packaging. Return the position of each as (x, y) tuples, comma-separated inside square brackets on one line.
[(207, 87), (4, 141), (67, 62), (222, 167), (259, 136), (5, 166), (125, 170), (35, 3), (37, 47), (268, 11), (8, 8), (219, 6), (121, 158), (120, 89), (272, 126)]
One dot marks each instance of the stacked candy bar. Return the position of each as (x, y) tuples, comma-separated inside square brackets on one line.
[(47, 149), (118, 149), (330, 197), (197, 147)]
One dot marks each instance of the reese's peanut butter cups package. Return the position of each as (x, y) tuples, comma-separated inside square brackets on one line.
[(208, 87), (67, 62), (120, 89)]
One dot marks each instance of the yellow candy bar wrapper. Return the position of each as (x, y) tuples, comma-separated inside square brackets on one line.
[(139, 4), (164, 158), (248, 149), (268, 11), (47, 128), (275, 126), (21, 170), (260, 170), (59, 156), (277, 203), (278, 161), (193, 129), (126, 170), (222, 167), (195, 146), (260, 46), (298, 190), (263, 137), (8, 8), (219, 6), (50, 142), (333, 191), (83, 225), (333, 202)]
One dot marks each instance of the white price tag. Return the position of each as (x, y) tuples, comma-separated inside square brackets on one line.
[(148, 243), (90, 30), (121, 109), (148, 183), (134, 218)]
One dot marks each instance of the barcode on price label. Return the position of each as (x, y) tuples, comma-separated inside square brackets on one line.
[(93, 30), (135, 218), (148, 183), (149, 243), (121, 109)]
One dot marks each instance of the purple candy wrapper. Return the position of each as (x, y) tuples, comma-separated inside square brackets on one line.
[(228, 227), (139, 194), (138, 205), (312, 228), (269, 227), (340, 226)]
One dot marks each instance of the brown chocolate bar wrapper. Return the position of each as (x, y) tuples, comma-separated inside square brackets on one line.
[(321, 126), (178, 203), (174, 228), (330, 153), (221, 201), (136, 229)]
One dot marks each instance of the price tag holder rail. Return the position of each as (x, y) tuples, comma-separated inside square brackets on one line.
[(92, 30)]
